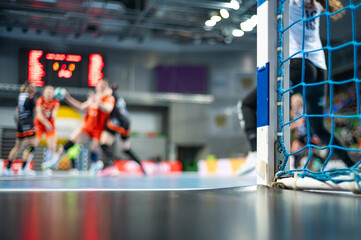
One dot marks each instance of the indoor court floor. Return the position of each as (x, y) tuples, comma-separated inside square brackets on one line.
[(62, 181), (184, 206)]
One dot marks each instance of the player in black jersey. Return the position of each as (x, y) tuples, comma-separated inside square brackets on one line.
[(118, 122), (25, 129)]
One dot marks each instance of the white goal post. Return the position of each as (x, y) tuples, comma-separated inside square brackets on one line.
[(269, 158), (273, 107)]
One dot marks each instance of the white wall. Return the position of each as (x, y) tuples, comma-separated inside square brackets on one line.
[(7, 117), (189, 123), (9, 63)]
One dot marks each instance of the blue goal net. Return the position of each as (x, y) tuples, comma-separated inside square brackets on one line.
[(324, 94)]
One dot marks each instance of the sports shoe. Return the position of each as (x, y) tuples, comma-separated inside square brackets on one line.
[(47, 172), (96, 167), (45, 165), (249, 165), (109, 171), (8, 172), (26, 172), (49, 165)]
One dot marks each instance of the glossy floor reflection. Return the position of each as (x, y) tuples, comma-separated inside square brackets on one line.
[(62, 181), (229, 213)]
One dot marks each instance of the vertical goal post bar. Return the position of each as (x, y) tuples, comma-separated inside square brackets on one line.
[(269, 152)]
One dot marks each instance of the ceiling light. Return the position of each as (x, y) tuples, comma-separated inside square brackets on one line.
[(210, 23), (253, 20), (224, 13), (216, 18), (234, 4), (247, 26), (237, 33)]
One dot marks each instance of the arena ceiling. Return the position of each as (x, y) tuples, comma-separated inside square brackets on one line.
[(167, 25), (176, 21)]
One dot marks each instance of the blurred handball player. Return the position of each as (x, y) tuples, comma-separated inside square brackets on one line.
[(46, 109), (98, 107), (25, 130)]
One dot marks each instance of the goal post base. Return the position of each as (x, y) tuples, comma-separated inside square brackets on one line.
[(307, 183)]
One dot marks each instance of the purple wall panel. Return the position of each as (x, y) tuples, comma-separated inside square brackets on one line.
[(182, 79)]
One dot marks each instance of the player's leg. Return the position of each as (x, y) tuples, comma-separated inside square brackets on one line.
[(51, 148), (24, 129), (125, 144), (124, 131), (40, 130), (315, 105), (28, 155), (249, 111), (106, 141), (315, 101), (19, 145), (78, 136), (95, 164), (50, 143)]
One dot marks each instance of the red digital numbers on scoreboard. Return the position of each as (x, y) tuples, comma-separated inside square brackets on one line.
[(36, 69), (61, 69), (95, 73), (65, 70)]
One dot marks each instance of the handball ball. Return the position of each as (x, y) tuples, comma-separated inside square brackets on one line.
[(59, 93)]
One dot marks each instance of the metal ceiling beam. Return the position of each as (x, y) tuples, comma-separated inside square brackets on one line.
[(11, 6), (119, 21), (86, 18), (128, 23), (140, 18), (202, 4)]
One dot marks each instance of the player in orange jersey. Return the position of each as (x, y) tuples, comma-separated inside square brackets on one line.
[(118, 123), (99, 106), (46, 109)]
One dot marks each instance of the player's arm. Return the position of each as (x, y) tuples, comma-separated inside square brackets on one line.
[(77, 104), (16, 116), (42, 118), (55, 110)]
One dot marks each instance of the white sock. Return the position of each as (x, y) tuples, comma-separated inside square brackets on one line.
[(28, 162)]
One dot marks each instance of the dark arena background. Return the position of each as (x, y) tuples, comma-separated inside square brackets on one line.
[(184, 69)]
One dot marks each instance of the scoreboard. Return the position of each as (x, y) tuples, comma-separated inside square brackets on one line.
[(43, 67)]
